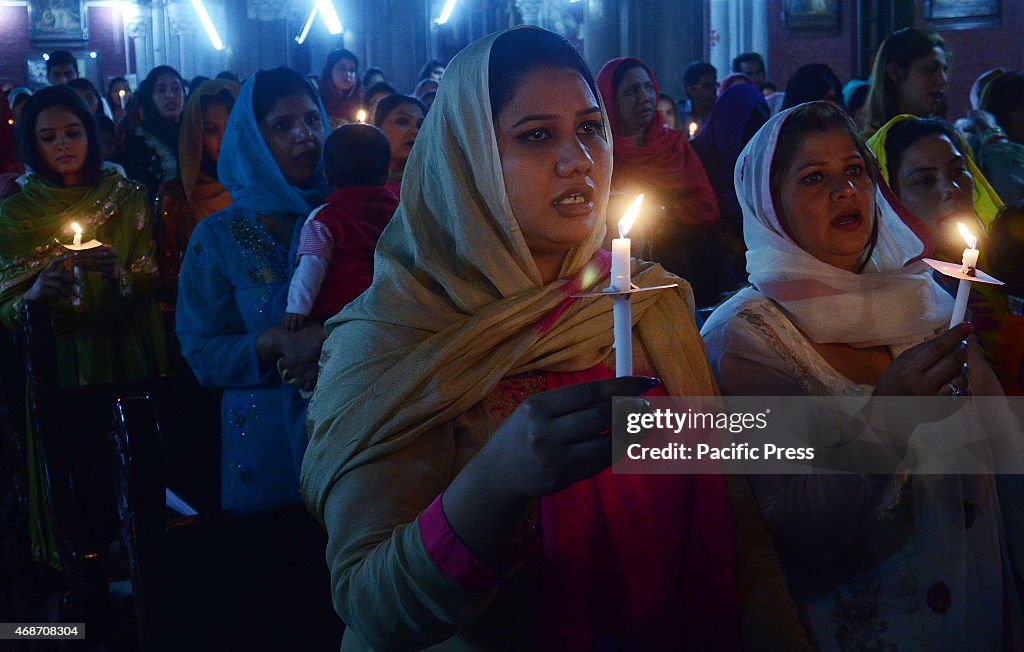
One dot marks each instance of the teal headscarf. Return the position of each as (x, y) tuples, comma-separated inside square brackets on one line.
[(248, 170)]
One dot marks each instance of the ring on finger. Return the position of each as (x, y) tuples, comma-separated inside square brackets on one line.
[(954, 390)]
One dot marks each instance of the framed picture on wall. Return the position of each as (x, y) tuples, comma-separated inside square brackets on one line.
[(816, 17), (57, 21), (962, 14)]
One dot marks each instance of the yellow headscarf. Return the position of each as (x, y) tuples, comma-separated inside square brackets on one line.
[(208, 197), (986, 202), (991, 306), (456, 300)]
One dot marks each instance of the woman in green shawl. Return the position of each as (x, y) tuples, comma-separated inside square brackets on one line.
[(115, 332)]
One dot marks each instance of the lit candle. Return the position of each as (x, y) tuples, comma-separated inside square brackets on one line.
[(76, 298), (121, 94), (693, 129), (622, 310), (78, 245), (361, 115), (968, 267)]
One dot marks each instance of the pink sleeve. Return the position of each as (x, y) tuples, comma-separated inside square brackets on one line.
[(315, 239), (451, 555)]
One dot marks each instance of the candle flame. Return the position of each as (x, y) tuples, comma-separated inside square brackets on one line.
[(693, 129), (121, 92), (972, 241), (77, 229), (361, 115), (626, 223)]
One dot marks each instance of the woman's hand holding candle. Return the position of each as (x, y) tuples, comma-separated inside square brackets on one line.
[(102, 260), (54, 282)]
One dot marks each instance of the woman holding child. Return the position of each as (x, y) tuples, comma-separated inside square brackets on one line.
[(459, 446), (234, 283)]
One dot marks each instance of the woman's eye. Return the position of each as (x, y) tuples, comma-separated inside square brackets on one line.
[(73, 134), (855, 170), (927, 181), (534, 136), (282, 125), (47, 139), (313, 120), (592, 128), (812, 178)]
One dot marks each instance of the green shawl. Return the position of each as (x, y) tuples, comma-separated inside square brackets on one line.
[(118, 334)]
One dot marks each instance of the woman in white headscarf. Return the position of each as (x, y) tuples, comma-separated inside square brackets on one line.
[(841, 306), (459, 450)]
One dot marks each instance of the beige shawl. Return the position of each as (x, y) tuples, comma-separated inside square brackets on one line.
[(456, 300)]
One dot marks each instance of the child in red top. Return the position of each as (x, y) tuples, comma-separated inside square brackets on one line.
[(337, 240)]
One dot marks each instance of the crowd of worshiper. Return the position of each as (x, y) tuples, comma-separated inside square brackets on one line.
[(385, 288)]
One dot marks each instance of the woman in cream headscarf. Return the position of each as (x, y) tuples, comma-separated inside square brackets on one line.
[(840, 306), (455, 460)]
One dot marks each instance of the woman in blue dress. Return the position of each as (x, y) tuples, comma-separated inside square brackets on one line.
[(234, 281)]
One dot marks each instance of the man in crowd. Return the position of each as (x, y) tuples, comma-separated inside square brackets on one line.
[(61, 68)]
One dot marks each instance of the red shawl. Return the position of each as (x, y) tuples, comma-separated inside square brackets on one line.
[(666, 165), (642, 562)]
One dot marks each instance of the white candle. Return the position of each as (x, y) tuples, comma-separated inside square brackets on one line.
[(121, 95), (361, 116), (970, 259), (968, 266), (622, 310), (76, 297)]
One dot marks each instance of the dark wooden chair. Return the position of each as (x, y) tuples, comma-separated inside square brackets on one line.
[(221, 580), (72, 441), (73, 432), (216, 581)]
